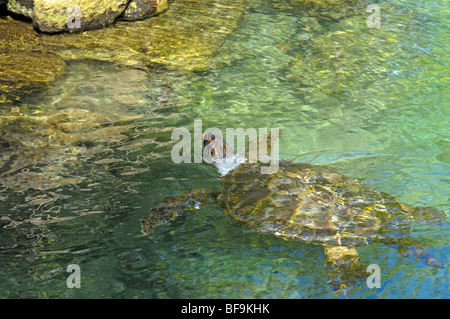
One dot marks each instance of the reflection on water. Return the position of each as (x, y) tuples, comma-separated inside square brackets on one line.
[(81, 165)]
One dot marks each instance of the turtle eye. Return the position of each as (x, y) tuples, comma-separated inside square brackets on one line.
[(213, 152)]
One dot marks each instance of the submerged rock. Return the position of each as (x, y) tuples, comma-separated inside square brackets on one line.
[(31, 61), (24, 69), (24, 73), (55, 128), (332, 9), (50, 141), (85, 115), (187, 36), (352, 61), (56, 138), (17, 36), (142, 9)]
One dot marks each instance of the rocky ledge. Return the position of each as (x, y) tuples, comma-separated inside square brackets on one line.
[(80, 15)]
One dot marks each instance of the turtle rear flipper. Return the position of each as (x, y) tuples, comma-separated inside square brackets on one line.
[(174, 207), (412, 249), (344, 268)]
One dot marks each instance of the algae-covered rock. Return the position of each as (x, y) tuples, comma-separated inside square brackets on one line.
[(17, 35), (332, 9), (52, 140), (186, 36), (80, 15), (58, 128), (23, 73), (57, 16), (170, 39), (23, 7), (142, 9), (25, 69), (73, 16)]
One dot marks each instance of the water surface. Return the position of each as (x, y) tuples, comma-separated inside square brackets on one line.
[(80, 201)]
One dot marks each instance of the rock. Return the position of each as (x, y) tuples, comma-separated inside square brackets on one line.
[(75, 16), (169, 39), (24, 73), (142, 9), (332, 9), (23, 7), (58, 128), (52, 140), (17, 36), (24, 68), (187, 36)]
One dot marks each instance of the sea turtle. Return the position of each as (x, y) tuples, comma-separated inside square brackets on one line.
[(312, 204)]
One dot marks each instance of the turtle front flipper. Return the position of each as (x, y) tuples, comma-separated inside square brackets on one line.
[(344, 268), (174, 207)]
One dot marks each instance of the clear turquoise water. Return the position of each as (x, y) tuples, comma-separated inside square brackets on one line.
[(393, 133)]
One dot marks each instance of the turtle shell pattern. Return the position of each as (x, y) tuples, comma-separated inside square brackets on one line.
[(313, 204)]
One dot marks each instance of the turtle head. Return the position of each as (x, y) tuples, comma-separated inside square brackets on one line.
[(217, 151), (215, 148)]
